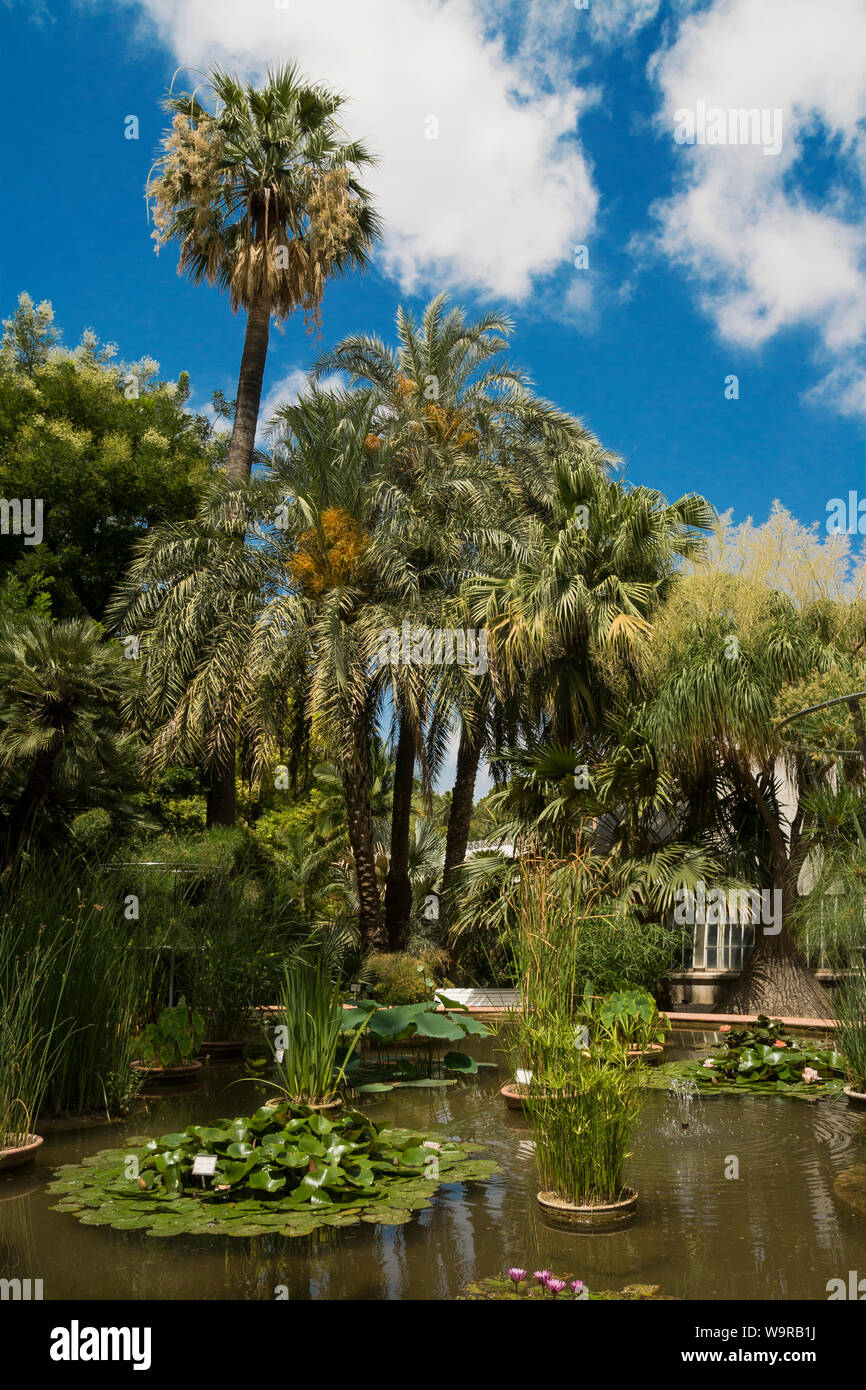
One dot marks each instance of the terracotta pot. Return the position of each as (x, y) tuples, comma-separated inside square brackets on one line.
[(22, 1153), (609, 1217), (232, 1048), (651, 1055), (514, 1095), (855, 1097), (167, 1073), (310, 1105)]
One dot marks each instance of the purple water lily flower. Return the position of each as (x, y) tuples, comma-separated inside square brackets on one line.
[(517, 1276), (556, 1286), (541, 1276), (577, 1285)]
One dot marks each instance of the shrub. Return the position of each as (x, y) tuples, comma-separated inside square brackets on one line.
[(398, 978)]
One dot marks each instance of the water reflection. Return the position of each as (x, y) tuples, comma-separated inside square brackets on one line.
[(775, 1230)]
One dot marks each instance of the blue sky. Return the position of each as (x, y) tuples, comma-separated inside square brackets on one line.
[(556, 130), (636, 344)]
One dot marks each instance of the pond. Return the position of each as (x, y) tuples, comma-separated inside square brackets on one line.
[(776, 1231)]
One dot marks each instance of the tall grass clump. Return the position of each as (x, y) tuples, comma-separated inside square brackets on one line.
[(94, 977), (31, 1036), (309, 1023), (850, 1008), (584, 1098)]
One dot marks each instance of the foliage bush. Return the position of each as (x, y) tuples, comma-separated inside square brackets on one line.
[(400, 978)]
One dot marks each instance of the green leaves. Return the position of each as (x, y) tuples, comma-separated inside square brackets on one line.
[(295, 1171)]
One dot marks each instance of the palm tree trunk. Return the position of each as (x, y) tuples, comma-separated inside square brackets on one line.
[(398, 888), (221, 798), (221, 792), (463, 796), (240, 456), (23, 813), (776, 980), (355, 777)]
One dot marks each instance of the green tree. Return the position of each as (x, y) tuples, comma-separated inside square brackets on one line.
[(107, 449), (263, 201), (452, 410), (63, 750)]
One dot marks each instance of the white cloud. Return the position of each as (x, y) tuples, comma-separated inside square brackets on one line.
[(767, 254), (493, 204)]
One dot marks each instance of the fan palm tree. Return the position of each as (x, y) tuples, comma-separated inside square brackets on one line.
[(263, 199), (453, 411), (62, 746)]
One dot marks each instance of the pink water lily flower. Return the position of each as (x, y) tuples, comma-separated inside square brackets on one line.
[(709, 1062), (725, 1028), (556, 1286), (517, 1276), (810, 1074), (577, 1285), (541, 1276)]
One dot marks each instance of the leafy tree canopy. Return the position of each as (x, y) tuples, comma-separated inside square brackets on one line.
[(108, 448)]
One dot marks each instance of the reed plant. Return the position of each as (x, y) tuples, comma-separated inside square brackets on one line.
[(584, 1100), (94, 973), (30, 1037), (850, 1009), (309, 1026)]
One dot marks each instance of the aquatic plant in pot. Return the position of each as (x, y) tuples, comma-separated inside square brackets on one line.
[(308, 1039), (167, 1048), (850, 1009), (631, 1016), (583, 1106)]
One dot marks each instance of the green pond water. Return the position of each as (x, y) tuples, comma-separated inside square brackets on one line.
[(778, 1231)]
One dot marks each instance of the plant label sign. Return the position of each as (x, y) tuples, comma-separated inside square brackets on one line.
[(204, 1165), (522, 1077)]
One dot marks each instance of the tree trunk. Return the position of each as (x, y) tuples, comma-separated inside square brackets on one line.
[(22, 816), (463, 796), (355, 777), (398, 888), (221, 792), (221, 795), (776, 980), (240, 456)]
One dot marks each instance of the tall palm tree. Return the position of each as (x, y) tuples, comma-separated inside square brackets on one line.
[(263, 199), (451, 408)]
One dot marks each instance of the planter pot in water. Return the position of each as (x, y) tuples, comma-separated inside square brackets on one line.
[(609, 1217), (515, 1096), (651, 1055), (855, 1097), (16, 1155), (182, 1073), (311, 1105), (223, 1049)]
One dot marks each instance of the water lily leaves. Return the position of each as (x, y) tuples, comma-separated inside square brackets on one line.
[(438, 1026), (264, 1181), (461, 1062), (284, 1170)]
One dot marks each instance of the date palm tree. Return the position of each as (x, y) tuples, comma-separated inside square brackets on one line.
[(453, 411)]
